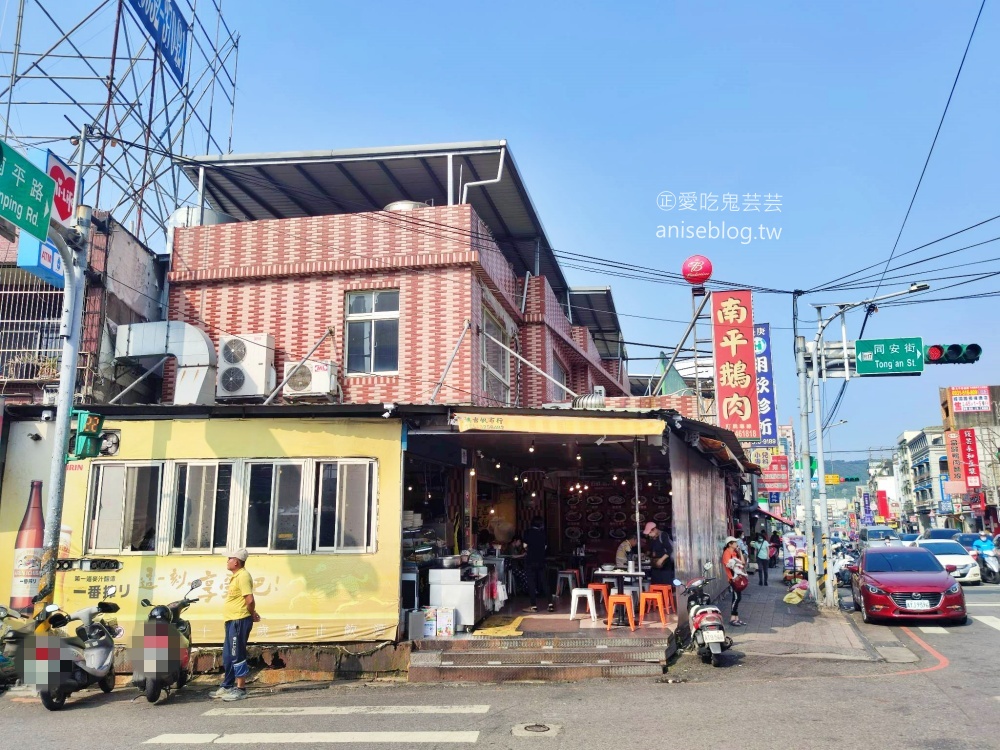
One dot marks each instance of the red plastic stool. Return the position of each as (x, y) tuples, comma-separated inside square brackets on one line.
[(668, 596), (626, 601), (605, 592), (655, 598)]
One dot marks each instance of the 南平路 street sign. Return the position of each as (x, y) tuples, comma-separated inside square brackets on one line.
[(904, 356), (26, 193)]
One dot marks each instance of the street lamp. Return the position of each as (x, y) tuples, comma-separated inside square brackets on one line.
[(812, 433), (800, 365)]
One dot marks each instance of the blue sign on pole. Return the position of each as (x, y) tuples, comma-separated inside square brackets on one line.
[(766, 403), (774, 498), (868, 517), (167, 27)]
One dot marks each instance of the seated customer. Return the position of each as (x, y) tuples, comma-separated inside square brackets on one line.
[(625, 551)]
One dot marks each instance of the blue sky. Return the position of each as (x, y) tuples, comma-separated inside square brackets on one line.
[(832, 107)]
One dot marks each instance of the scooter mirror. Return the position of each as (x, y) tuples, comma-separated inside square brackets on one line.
[(196, 583), (146, 603), (678, 582), (110, 591), (3, 613)]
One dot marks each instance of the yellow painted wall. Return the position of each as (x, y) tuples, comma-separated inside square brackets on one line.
[(301, 598)]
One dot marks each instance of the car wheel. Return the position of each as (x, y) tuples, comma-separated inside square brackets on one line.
[(857, 607), (864, 613)]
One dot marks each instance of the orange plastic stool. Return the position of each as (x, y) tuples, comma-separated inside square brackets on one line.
[(605, 592), (626, 601), (654, 598), (668, 596)]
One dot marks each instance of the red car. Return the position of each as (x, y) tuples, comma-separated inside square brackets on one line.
[(905, 583)]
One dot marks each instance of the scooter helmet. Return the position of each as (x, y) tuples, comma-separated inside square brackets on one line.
[(160, 613)]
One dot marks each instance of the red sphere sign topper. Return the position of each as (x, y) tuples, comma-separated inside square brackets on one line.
[(697, 269)]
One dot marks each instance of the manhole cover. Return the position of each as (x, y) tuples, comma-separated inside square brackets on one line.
[(536, 728)]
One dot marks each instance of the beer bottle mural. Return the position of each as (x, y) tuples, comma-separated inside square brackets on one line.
[(28, 551)]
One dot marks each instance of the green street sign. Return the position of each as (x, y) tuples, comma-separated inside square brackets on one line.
[(890, 356), (26, 193)]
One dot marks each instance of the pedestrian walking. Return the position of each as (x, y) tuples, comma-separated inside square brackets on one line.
[(239, 611), (775, 548), (732, 563), (762, 551), (535, 545)]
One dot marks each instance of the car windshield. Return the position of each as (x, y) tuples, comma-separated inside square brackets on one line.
[(945, 548), (882, 534), (966, 539), (940, 534), (909, 537), (901, 562)]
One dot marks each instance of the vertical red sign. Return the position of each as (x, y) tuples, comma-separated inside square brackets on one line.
[(970, 459), (882, 498), (735, 367)]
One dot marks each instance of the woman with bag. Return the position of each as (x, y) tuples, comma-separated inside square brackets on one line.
[(732, 563), (762, 551)]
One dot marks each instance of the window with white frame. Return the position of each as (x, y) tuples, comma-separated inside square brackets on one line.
[(201, 506), (559, 374), (496, 361), (274, 502), (373, 332), (345, 507), (124, 507)]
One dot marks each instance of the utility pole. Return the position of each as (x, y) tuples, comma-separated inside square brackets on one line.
[(804, 457), (73, 251), (824, 512)]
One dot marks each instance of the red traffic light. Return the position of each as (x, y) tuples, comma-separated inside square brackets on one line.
[(935, 353)]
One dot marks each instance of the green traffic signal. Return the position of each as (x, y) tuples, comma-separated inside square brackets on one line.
[(952, 354), (87, 441)]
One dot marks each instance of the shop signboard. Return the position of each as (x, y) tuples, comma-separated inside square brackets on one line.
[(970, 459), (956, 470), (774, 478), (735, 364), (967, 399), (945, 507), (767, 404), (866, 504), (882, 498), (833, 479)]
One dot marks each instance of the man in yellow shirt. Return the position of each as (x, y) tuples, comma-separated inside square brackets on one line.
[(240, 613)]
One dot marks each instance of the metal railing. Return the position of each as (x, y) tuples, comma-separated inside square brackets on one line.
[(30, 348)]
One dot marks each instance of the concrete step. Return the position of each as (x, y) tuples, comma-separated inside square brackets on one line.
[(546, 658), (543, 643), (424, 667)]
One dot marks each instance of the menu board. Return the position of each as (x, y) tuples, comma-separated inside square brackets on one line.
[(602, 516)]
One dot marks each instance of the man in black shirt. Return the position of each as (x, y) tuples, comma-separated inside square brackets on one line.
[(535, 544), (661, 555)]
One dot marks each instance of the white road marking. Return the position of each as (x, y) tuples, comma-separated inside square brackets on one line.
[(181, 739), (980, 604), (345, 710), (933, 629), (343, 738), (993, 622)]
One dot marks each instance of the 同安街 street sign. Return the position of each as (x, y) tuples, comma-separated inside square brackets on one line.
[(890, 356), (26, 193)]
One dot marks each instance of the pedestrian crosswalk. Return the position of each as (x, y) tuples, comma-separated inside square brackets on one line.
[(993, 622), (335, 733)]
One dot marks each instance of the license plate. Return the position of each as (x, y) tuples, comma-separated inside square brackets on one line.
[(918, 604), (714, 636)]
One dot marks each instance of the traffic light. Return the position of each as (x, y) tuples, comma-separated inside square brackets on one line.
[(952, 354), (87, 441), (849, 479)]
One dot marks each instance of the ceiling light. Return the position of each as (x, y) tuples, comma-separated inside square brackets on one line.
[(578, 457), (649, 484), (532, 448), (498, 464), (472, 472), (410, 488), (623, 483), (533, 494), (614, 478), (586, 487)]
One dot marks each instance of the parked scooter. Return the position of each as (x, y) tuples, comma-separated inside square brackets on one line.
[(989, 566), (14, 637), (842, 557), (161, 656), (708, 631), (59, 666)]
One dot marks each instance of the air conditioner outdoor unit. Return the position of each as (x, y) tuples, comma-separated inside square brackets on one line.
[(311, 379), (246, 366)]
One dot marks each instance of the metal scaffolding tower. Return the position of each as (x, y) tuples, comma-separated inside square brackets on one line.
[(101, 92)]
